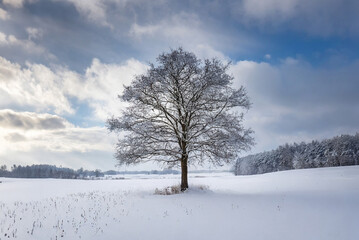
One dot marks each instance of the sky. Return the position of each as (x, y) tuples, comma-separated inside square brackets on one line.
[(64, 62)]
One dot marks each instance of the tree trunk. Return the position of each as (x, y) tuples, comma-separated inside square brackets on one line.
[(184, 177)]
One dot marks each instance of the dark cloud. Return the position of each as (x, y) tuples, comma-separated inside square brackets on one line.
[(30, 121), (78, 31)]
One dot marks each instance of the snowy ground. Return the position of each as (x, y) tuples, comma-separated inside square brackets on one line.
[(300, 204)]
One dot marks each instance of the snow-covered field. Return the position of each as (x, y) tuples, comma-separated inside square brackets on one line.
[(300, 204)]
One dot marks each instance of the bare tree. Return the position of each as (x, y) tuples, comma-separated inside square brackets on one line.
[(182, 111)]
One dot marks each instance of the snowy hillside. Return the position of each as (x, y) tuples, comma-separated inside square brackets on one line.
[(298, 204)]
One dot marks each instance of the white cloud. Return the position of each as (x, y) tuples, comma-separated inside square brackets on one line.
[(31, 138), (3, 38), (93, 10), (3, 14), (101, 84), (28, 131), (139, 31), (14, 3), (182, 29), (270, 8), (34, 33), (178, 26), (43, 89), (35, 86), (28, 45), (17, 3), (100, 12)]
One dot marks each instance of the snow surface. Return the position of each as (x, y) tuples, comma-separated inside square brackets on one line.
[(298, 204)]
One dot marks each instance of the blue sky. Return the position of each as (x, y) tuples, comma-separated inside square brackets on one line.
[(62, 64)]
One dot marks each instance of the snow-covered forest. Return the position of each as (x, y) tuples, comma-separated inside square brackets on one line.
[(338, 151)]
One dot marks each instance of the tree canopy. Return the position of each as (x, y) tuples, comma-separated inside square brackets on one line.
[(182, 111)]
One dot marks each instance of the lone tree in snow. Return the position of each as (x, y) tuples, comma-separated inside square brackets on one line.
[(181, 112)]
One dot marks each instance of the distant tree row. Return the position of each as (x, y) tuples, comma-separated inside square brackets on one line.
[(47, 171), (338, 151)]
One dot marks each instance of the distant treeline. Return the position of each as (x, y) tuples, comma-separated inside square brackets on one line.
[(47, 171), (338, 151), (50, 171)]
